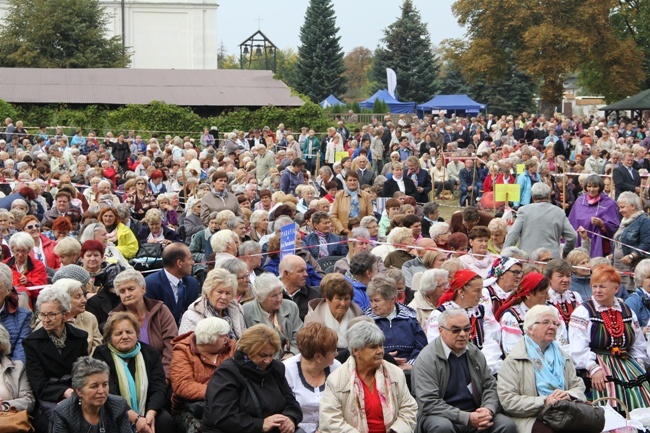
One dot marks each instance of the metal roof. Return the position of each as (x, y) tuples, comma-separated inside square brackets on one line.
[(195, 87)]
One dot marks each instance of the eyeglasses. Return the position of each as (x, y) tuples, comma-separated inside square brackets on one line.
[(32, 226), (244, 278), (140, 183), (442, 286), (456, 330), (547, 323), (516, 273), (48, 316), (546, 260)]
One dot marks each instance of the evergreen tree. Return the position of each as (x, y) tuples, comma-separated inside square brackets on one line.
[(59, 34), (407, 50), (320, 67)]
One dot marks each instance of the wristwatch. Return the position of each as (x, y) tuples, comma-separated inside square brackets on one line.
[(631, 257)]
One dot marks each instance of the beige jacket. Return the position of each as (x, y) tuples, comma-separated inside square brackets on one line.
[(341, 209), (13, 374), (518, 393), (422, 307), (337, 404)]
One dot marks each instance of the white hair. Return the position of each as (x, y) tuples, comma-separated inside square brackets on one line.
[(208, 330)]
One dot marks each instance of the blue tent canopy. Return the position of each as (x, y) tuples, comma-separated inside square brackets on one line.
[(451, 103), (331, 101), (394, 105)]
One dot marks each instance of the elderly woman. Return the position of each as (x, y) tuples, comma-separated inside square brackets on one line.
[(97, 232), (532, 291), (271, 309), (597, 213), (156, 324), (14, 386), (638, 300), (432, 284), (607, 341), (15, 319), (68, 250), (335, 309), (78, 316), (249, 393), (502, 279), (217, 300), (119, 234), (195, 357), (101, 272), (440, 178), (537, 373), (201, 240), (259, 224), (43, 248), (26, 271), (218, 198), (239, 269), (168, 213), (367, 394), (153, 230), (192, 221), (440, 233), (136, 371), (50, 353), (479, 259), (307, 372), (632, 238), (403, 241), (404, 335), (139, 198), (91, 407), (361, 242), (498, 228)]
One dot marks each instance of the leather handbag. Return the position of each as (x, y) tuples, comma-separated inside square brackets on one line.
[(573, 416), (15, 421)]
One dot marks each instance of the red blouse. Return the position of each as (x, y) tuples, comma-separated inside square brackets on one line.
[(374, 412)]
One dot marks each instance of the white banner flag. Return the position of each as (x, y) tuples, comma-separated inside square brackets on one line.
[(391, 79)]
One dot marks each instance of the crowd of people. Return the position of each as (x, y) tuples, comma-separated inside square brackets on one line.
[(145, 286)]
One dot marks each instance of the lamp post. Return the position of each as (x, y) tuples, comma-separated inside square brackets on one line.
[(258, 48)]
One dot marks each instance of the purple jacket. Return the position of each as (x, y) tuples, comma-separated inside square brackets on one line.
[(581, 213)]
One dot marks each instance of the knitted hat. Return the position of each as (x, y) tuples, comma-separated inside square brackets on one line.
[(460, 280), (74, 272), (499, 267)]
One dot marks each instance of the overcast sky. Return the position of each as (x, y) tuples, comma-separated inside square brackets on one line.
[(361, 21)]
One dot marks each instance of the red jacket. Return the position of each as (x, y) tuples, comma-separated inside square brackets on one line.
[(36, 276), (53, 261)]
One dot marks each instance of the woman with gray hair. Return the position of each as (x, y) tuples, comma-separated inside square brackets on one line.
[(91, 406), (269, 308), (195, 357), (404, 335), (239, 269), (537, 372), (14, 386), (432, 285), (50, 353), (632, 239), (79, 317), (639, 301), (156, 322), (13, 317), (217, 300), (259, 224), (359, 241), (192, 221), (366, 377), (97, 232), (26, 271)]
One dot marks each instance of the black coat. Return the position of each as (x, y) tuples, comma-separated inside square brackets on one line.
[(302, 297), (229, 406), (157, 390), (101, 304), (623, 181), (46, 367), (69, 418), (390, 188)]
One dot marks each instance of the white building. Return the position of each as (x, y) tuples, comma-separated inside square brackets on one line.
[(167, 34)]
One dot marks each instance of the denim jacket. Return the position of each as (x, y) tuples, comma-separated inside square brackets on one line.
[(637, 235)]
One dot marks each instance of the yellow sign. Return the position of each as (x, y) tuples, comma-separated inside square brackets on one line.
[(521, 168), (338, 156), (507, 192)]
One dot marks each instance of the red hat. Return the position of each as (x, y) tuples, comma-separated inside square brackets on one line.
[(526, 287), (460, 280)]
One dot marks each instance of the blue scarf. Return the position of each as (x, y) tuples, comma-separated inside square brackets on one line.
[(354, 203), (549, 366)]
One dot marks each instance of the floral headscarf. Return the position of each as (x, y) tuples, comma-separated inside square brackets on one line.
[(499, 267)]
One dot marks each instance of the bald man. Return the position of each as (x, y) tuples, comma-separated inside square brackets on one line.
[(416, 265), (293, 273)]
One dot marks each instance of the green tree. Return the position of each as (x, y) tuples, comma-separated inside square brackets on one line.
[(357, 64), (320, 68), (59, 34), (407, 50)]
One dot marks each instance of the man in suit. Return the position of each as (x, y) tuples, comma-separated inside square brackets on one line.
[(399, 183), (625, 177), (541, 225), (461, 136), (293, 273), (174, 285), (366, 174), (420, 178), (563, 146), (469, 183)]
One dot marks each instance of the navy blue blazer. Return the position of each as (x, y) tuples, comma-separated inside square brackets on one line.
[(159, 288)]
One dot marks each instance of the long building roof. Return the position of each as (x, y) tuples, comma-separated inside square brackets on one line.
[(200, 87)]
